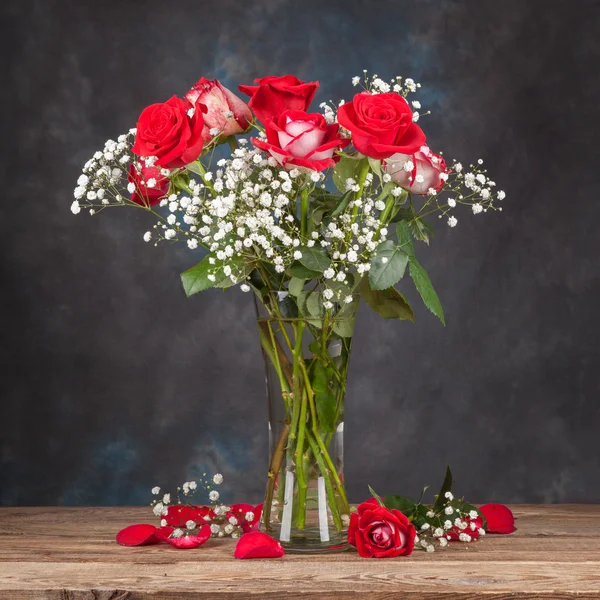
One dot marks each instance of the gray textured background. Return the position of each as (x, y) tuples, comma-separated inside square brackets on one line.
[(112, 381)]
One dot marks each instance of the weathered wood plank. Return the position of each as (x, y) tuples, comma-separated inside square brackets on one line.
[(70, 553)]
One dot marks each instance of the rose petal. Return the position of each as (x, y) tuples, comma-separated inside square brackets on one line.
[(257, 544), (499, 518), (138, 535), (185, 542)]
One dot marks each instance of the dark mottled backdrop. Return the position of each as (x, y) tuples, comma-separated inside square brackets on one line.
[(112, 381)]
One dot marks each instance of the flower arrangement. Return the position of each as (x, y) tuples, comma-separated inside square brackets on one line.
[(313, 212), (379, 527)]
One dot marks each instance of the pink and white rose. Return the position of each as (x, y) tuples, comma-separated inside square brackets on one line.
[(225, 111), (417, 172), (302, 139)]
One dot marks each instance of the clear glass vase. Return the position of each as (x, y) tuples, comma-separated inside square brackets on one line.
[(306, 360)]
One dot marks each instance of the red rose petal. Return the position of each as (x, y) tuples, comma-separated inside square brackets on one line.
[(138, 535), (184, 542), (257, 544), (499, 518)]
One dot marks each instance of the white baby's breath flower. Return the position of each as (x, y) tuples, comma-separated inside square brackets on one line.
[(190, 524), (218, 479), (448, 510), (75, 207), (213, 496), (167, 498), (452, 221), (156, 490)]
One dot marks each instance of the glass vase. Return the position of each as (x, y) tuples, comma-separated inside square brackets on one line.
[(306, 360)]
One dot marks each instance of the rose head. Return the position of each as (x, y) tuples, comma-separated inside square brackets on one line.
[(378, 532), (381, 125), (167, 130), (427, 170), (224, 110), (146, 194), (274, 95), (303, 140)]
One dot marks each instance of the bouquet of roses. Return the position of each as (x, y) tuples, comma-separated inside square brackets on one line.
[(313, 211)]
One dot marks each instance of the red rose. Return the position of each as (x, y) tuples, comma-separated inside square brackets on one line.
[(167, 130), (499, 518), (224, 110), (178, 515), (274, 95), (381, 125), (427, 170), (379, 532), (301, 139), (150, 185)]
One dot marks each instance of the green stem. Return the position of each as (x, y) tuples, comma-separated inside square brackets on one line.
[(362, 177), (232, 143), (383, 217), (303, 212), (330, 492)]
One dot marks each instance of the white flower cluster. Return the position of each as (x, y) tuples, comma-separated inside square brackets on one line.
[(221, 518), (100, 182), (452, 520), (471, 188), (375, 85)]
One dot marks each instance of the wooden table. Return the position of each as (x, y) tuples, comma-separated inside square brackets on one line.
[(70, 553)]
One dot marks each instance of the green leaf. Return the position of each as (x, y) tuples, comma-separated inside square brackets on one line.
[(325, 399), (376, 495), (181, 181), (288, 307), (310, 305), (196, 279), (375, 166), (404, 238), (404, 504), (425, 289), (446, 487), (195, 167), (341, 207), (388, 265), (301, 272), (466, 507), (421, 230), (314, 259), (295, 286), (387, 190), (240, 269), (390, 303), (422, 494), (345, 319), (345, 169)]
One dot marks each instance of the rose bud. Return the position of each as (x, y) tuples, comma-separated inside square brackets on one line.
[(428, 170), (274, 95), (224, 110), (303, 140), (381, 125), (171, 131), (379, 532), (150, 186)]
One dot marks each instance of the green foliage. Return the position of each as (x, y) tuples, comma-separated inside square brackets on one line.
[(310, 305), (426, 290), (388, 265), (446, 487), (375, 166), (314, 259), (407, 506), (390, 303), (288, 307), (376, 496), (345, 319), (346, 168), (196, 279), (295, 286), (404, 238), (299, 271), (324, 397), (343, 204)]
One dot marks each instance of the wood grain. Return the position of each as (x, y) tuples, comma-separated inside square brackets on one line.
[(70, 554)]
